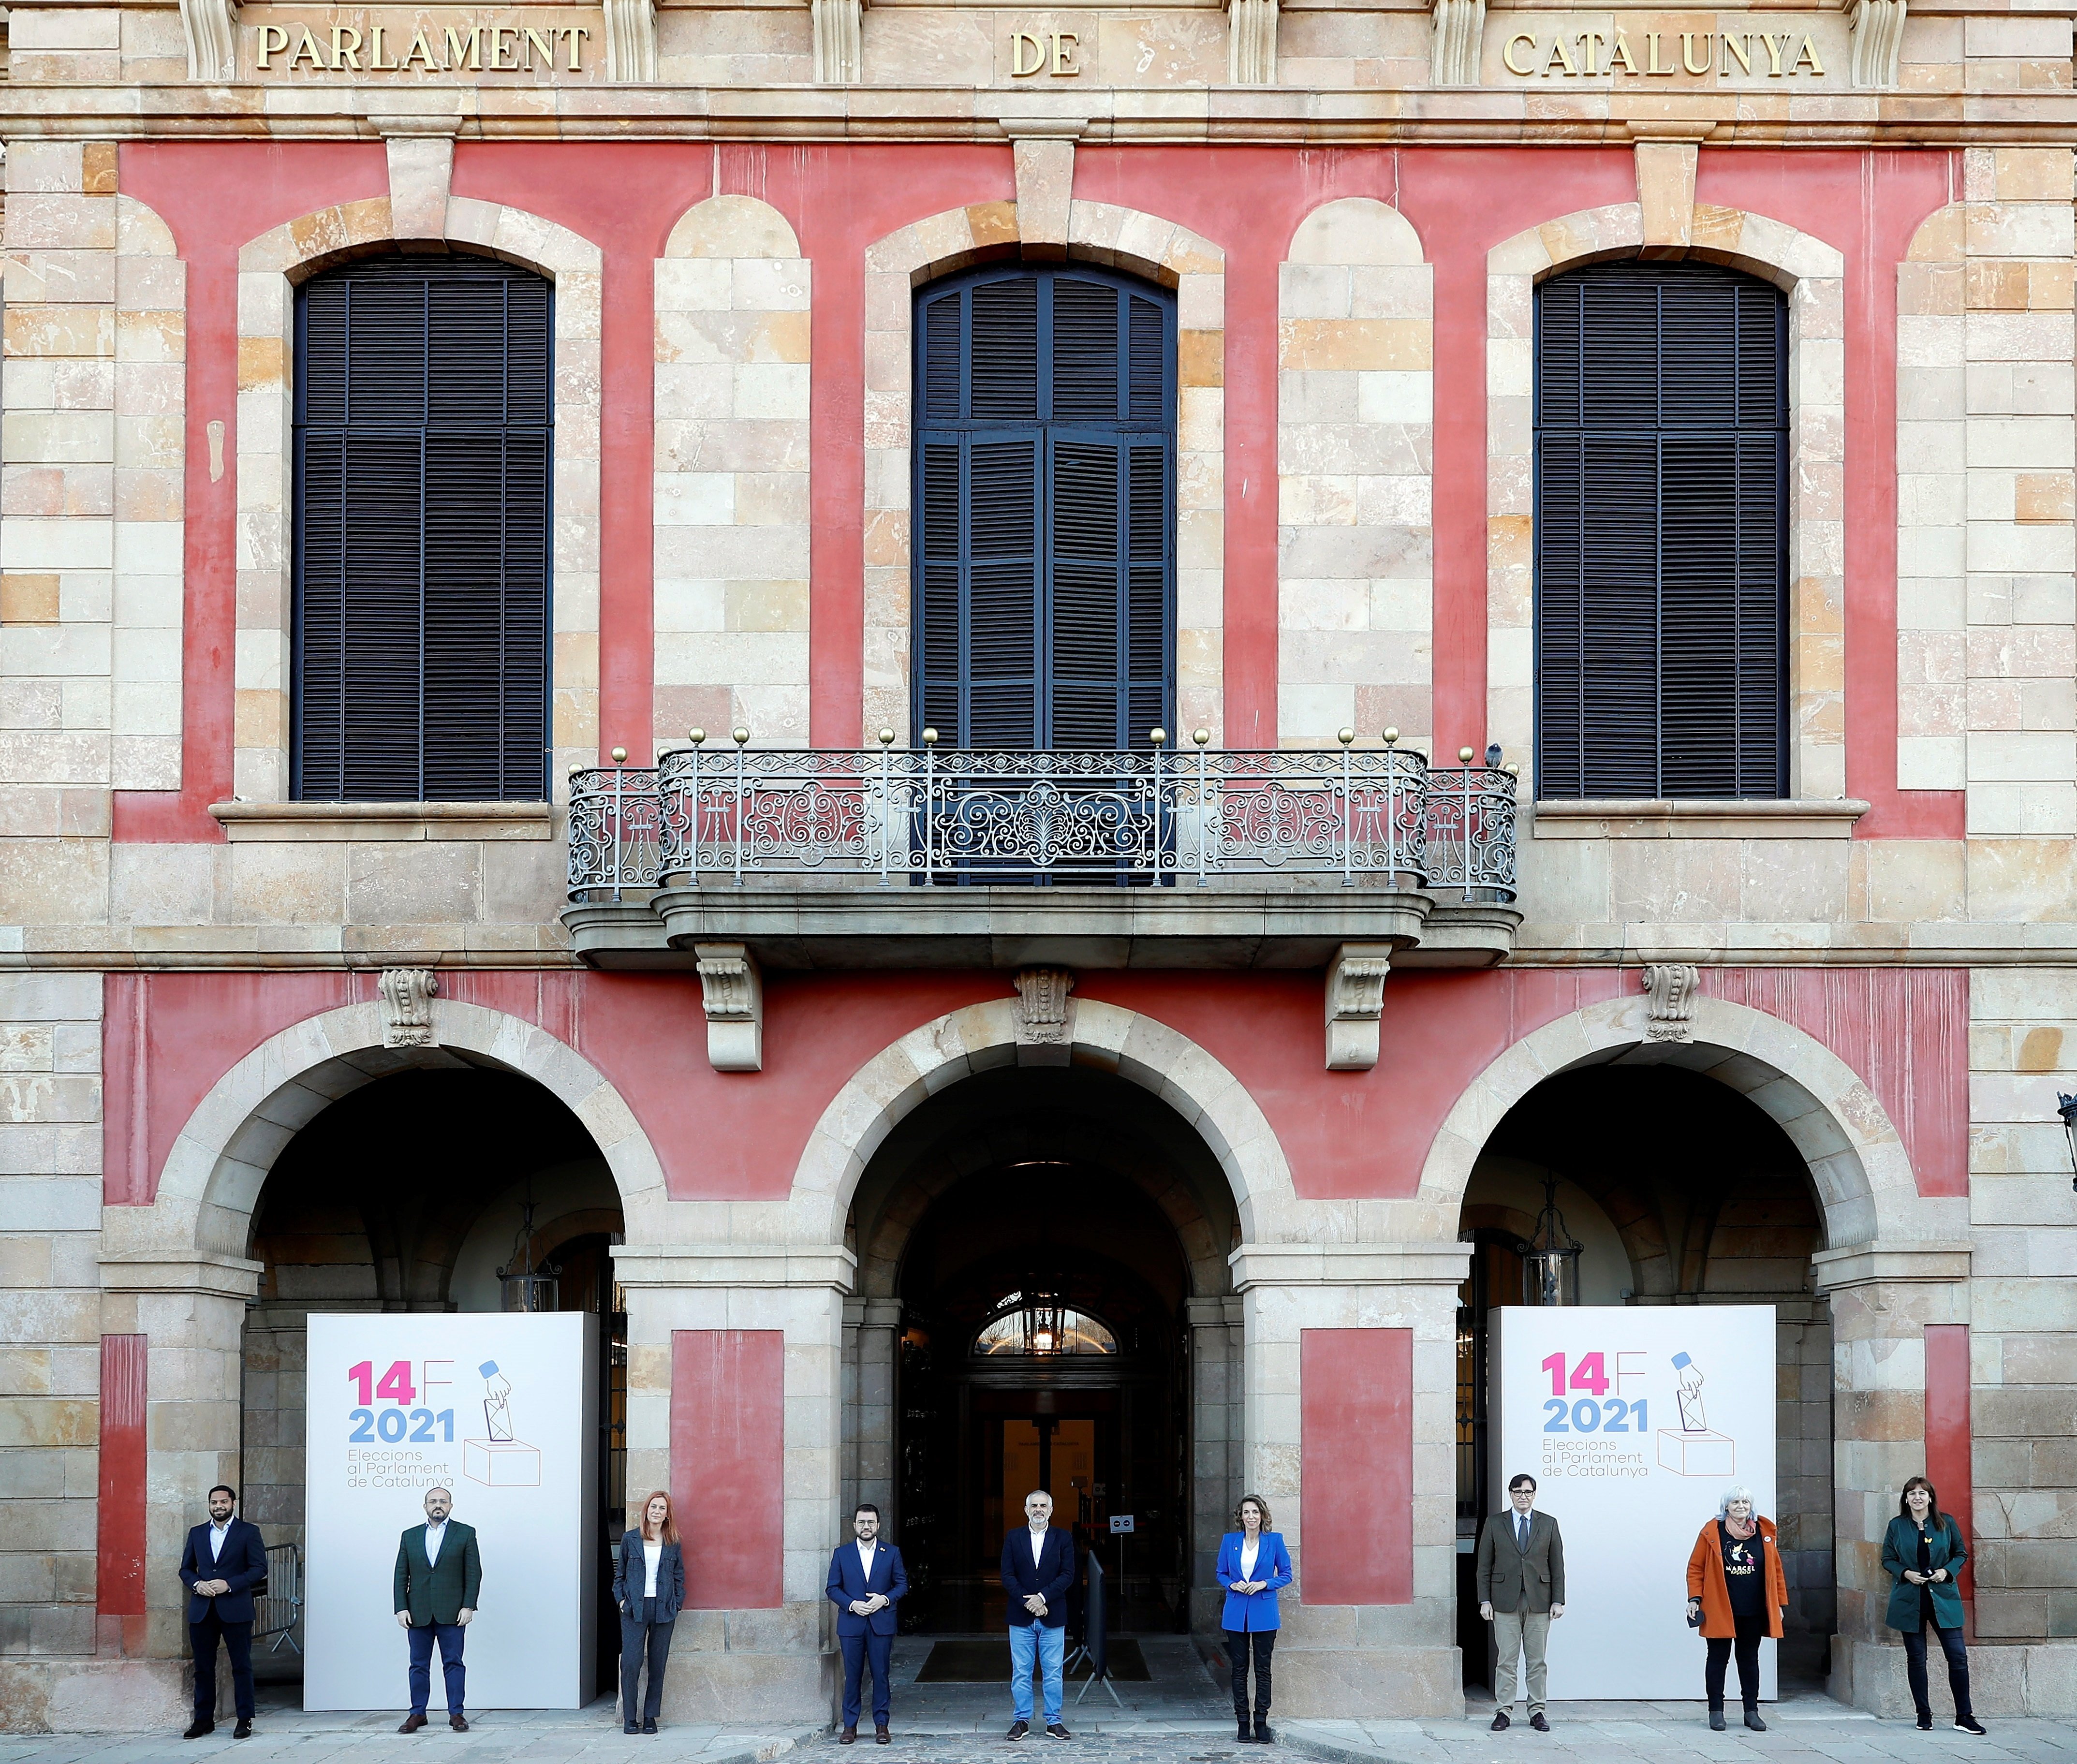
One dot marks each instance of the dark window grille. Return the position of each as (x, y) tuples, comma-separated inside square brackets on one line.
[(1044, 493), (1662, 506), (424, 444)]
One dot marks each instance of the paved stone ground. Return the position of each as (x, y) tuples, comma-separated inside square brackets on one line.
[(1181, 1716)]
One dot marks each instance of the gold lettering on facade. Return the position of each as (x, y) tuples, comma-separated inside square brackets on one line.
[(1063, 55), (1586, 55), (1019, 42), (1030, 54), (514, 49)]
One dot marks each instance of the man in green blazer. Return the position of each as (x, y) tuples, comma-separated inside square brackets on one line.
[(437, 1575)]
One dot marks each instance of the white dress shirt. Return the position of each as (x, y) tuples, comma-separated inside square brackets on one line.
[(868, 1549), (1038, 1547), (217, 1534), (1248, 1553), (434, 1536), (652, 1553)]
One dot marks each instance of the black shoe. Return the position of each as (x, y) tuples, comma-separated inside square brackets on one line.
[(1501, 1721), (1246, 1737), (1018, 1730), (1968, 1724), (1054, 1731), (1716, 1719), (1925, 1723), (1262, 1736), (1538, 1723), (1754, 1721), (244, 1730), (630, 1726), (198, 1727), (648, 1723)]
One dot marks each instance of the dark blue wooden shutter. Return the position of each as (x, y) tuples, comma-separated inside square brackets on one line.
[(1662, 444), (1044, 520), (423, 450)]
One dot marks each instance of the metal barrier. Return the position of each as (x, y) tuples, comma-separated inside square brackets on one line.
[(275, 1611), (933, 815)]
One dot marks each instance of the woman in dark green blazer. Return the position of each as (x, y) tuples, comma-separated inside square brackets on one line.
[(1923, 1551)]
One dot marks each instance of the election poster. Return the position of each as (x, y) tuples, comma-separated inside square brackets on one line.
[(500, 1410), (1633, 1420)]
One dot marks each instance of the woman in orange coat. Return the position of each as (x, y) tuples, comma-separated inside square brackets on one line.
[(1736, 1587)]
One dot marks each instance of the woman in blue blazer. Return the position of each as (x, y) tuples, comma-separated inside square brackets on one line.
[(649, 1586), (1923, 1552), (1252, 1565)]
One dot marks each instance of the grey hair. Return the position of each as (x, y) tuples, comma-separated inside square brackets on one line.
[(1736, 1492)]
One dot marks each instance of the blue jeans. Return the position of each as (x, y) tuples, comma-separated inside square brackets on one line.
[(1049, 1647), (449, 1636)]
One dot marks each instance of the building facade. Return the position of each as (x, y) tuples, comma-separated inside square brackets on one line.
[(1014, 725)]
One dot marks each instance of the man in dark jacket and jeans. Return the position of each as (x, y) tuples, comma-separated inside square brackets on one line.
[(1521, 1578), (1038, 1568), (438, 1573)]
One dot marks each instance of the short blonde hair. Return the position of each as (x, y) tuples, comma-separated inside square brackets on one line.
[(1261, 1506)]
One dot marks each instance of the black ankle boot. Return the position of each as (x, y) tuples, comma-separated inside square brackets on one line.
[(1716, 1717), (1262, 1736), (1753, 1720), (1240, 1714)]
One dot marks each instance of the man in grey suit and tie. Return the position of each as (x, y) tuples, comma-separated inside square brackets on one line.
[(1520, 1576)]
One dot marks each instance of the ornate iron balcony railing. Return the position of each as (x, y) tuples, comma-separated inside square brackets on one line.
[(1379, 816)]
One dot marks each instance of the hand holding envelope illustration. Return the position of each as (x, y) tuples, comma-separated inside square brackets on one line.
[(1692, 1449)]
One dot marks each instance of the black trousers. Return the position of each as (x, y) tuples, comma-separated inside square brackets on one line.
[(640, 1637), (1750, 1629), (1958, 1667), (237, 1643), (1237, 1651)]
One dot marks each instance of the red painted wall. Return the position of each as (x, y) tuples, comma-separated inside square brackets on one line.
[(739, 1136), (728, 1465), (1356, 1465), (1249, 201), (1949, 1465), (119, 1546)]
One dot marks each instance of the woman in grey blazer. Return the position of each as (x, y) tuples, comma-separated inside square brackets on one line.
[(649, 1586)]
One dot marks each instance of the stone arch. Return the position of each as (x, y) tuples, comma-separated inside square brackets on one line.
[(1865, 1187), (732, 511), (420, 214), (1124, 238), (1931, 503), (1812, 273), (212, 1175), (1355, 518), (938, 1054)]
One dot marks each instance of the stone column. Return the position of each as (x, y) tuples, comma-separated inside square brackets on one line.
[(778, 1661), (873, 1430), (1883, 1295), (1218, 1417), (1362, 1660)]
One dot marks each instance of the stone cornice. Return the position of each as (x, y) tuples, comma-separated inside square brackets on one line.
[(734, 1265), (1349, 1264), (1264, 114)]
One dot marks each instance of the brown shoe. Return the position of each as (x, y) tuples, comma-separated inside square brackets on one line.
[(849, 1736), (881, 1737), (459, 1723), (412, 1722)]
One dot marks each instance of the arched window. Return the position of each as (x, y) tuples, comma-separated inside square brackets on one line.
[(423, 451), (1044, 497), (1041, 1325), (1661, 520)]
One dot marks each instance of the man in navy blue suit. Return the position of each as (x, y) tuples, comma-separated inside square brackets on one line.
[(223, 1562), (867, 1581), (1038, 1568)]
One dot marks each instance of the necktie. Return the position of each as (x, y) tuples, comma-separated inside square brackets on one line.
[(1521, 1531)]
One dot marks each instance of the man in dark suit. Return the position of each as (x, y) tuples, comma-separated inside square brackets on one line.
[(1038, 1568), (224, 1561), (1521, 1577), (867, 1580), (438, 1573)]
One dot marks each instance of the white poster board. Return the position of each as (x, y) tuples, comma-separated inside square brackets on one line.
[(501, 1410), (1633, 1420)]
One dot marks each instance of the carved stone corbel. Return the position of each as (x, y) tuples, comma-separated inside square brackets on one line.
[(1670, 989), (407, 995), (211, 27), (1251, 42), (1355, 1003), (839, 31), (1044, 1015), (733, 991), (1459, 29), (1878, 28), (630, 39)]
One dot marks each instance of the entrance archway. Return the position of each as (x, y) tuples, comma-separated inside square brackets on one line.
[(1043, 1298)]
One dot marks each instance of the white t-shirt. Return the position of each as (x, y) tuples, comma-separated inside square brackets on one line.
[(652, 1553), (1248, 1553)]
